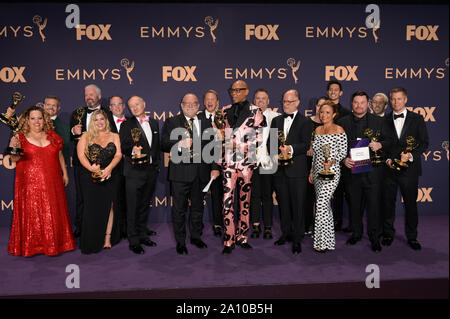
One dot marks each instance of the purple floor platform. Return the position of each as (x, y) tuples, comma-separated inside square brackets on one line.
[(266, 271)]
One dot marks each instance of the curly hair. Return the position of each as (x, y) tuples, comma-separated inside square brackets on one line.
[(24, 127), (92, 132)]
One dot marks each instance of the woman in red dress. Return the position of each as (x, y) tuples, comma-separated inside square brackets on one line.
[(41, 221)]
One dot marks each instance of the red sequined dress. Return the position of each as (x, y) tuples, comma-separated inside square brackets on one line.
[(41, 220)]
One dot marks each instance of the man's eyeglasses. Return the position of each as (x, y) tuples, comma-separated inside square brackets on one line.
[(237, 90)]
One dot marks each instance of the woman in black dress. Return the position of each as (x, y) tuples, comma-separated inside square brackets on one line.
[(100, 224), (310, 193)]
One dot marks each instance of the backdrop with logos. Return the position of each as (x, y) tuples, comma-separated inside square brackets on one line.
[(162, 51)]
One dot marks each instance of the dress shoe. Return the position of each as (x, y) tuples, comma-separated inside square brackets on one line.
[(123, 234), (353, 240), (148, 242), (256, 231), (337, 226), (76, 233), (281, 241), (244, 245), (217, 230), (151, 232), (414, 244), (347, 229), (387, 241), (227, 250), (320, 251), (268, 233), (181, 249), (296, 248), (137, 249), (376, 247), (198, 242)]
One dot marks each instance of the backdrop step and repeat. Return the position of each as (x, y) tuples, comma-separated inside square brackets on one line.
[(162, 51)]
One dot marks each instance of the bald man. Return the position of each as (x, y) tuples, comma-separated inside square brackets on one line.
[(242, 121), (140, 179)]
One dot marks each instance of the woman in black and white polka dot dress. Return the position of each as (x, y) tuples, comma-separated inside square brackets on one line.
[(333, 135)]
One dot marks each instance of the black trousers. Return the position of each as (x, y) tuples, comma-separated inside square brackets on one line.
[(139, 192), (216, 190), (408, 189), (77, 171), (182, 192), (361, 189), (261, 195), (291, 192), (121, 210)]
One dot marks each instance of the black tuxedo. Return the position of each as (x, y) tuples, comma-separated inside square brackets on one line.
[(216, 188), (408, 181), (290, 181), (187, 178), (140, 180), (364, 189), (77, 167)]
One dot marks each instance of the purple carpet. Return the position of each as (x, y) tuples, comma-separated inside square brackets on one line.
[(266, 266)]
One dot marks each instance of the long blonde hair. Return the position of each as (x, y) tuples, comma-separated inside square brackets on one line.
[(92, 132)]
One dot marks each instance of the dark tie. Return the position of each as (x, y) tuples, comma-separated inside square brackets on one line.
[(288, 115), (89, 111), (397, 116), (194, 129)]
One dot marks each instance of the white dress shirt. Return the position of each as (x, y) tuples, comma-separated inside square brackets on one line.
[(117, 124), (209, 115), (287, 126), (399, 123)]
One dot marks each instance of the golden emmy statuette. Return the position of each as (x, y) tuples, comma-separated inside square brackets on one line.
[(79, 113), (16, 149), (376, 158), (93, 155), (138, 159), (189, 134), (411, 144), (11, 120), (282, 159), (326, 175), (220, 123)]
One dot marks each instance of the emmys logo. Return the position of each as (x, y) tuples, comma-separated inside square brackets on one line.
[(313, 32), (25, 31), (209, 21), (126, 65), (426, 112), (181, 32), (261, 32), (422, 32), (93, 32), (179, 73), (7, 206), (414, 74), (12, 74), (5, 160), (37, 21), (294, 68), (341, 73)]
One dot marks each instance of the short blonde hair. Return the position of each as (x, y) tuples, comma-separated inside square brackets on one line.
[(383, 96)]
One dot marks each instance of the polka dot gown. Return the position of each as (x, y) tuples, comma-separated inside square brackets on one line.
[(323, 223)]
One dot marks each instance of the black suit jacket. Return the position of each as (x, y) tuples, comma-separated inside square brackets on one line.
[(299, 138), (63, 130), (414, 126), (376, 123), (186, 172), (74, 121), (127, 143)]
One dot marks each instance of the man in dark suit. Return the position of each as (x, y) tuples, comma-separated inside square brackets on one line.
[(92, 97), (290, 181), (334, 93), (140, 179), (52, 105), (403, 124), (117, 107), (364, 189), (211, 102), (188, 175)]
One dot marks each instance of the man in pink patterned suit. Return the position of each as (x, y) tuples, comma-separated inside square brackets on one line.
[(242, 121)]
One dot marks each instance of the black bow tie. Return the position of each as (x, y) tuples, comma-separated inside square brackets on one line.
[(89, 111), (397, 116), (288, 115)]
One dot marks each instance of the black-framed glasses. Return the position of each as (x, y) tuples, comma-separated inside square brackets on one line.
[(236, 90)]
